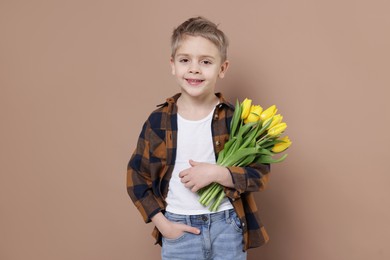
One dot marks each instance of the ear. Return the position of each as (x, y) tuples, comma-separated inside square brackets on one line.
[(223, 69), (173, 71)]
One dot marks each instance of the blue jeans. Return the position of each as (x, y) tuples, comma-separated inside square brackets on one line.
[(220, 238)]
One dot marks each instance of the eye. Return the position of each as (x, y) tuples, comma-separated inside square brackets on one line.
[(183, 60), (206, 62)]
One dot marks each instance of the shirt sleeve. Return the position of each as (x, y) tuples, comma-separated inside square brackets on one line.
[(139, 179), (247, 179)]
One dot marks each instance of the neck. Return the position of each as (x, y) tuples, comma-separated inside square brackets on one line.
[(209, 100), (196, 108)]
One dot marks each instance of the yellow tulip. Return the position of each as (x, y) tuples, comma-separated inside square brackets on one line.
[(268, 113), (246, 107), (254, 114), (280, 147), (275, 120), (278, 129)]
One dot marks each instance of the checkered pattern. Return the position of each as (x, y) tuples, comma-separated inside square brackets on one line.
[(151, 165)]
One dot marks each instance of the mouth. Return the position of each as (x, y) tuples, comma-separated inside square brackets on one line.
[(194, 82)]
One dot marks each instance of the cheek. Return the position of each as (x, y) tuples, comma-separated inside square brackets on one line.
[(178, 71), (212, 74)]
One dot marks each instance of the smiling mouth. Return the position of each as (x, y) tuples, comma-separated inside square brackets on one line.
[(194, 81)]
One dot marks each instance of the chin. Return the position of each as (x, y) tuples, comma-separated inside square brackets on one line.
[(196, 92)]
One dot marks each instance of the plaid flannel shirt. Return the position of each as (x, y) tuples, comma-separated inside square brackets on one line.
[(151, 165)]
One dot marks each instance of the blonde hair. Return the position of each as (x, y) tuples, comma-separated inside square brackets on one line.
[(200, 26)]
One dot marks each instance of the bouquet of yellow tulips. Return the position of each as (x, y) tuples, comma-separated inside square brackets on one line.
[(255, 136)]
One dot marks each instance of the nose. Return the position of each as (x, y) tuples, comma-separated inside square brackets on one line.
[(194, 68)]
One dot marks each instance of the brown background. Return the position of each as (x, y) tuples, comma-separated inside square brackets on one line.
[(78, 78)]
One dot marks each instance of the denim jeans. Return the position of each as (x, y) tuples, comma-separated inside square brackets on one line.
[(220, 238)]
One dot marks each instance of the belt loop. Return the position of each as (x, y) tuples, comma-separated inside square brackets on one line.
[(188, 220), (227, 215)]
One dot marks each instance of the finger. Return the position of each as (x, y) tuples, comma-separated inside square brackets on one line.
[(184, 173), (190, 229), (193, 163), (184, 180), (194, 189), (188, 185)]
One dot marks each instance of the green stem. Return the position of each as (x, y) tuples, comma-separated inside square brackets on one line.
[(217, 201), (207, 193), (213, 194), (262, 139)]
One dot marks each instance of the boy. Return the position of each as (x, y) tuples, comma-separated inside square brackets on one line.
[(176, 155)]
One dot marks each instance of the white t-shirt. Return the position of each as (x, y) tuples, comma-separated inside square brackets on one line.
[(194, 141)]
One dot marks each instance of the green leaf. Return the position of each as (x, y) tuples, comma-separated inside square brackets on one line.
[(247, 160), (236, 144), (251, 137), (221, 155), (238, 156), (264, 128), (227, 150), (229, 143), (244, 129), (271, 143), (269, 159), (265, 152), (236, 119)]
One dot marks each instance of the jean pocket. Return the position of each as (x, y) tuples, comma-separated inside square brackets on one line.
[(174, 240), (174, 219), (235, 222)]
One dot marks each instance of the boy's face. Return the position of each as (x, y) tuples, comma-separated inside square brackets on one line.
[(197, 65)]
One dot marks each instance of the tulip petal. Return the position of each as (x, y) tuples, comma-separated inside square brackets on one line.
[(245, 106), (278, 129)]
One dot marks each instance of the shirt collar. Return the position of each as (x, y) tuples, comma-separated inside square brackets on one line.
[(172, 100)]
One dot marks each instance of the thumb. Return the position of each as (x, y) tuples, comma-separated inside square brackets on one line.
[(193, 163), (192, 230)]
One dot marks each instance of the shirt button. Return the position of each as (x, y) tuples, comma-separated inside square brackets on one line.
[(216, 116), (217, 143)]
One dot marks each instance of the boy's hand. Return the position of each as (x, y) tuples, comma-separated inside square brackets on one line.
[(172, 230), (175, 230), (201, 174)]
